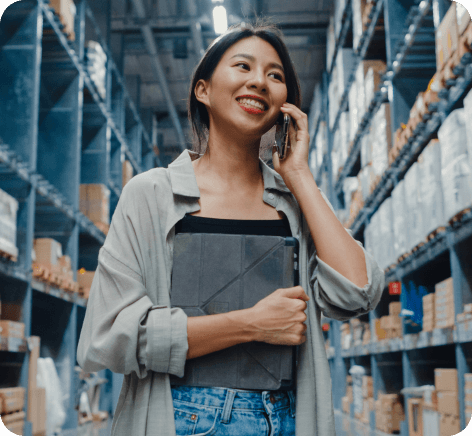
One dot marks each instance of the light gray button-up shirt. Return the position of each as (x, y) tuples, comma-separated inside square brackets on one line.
[(130, 328)]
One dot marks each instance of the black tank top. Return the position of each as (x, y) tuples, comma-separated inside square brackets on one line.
[(197, 224)]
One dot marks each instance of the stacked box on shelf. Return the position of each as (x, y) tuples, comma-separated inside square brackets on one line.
[(468, 397), (465, 316), (12, 329), (429, 312), (96, 60), (344, 139), (392, 323), (445, 382), (348, 398), (447, 37), (368, 395), (366, 179), (330, 43), (400, 220), (385, 241), (414, 207), (85, 279), (358, 7), (364, 88), (127, 173), (344, 63), (456, 169), (336, 155), (346, 337), (12, 403), (389, 413), (381, 141), (95, 203), (366, 149), (468, 126), (444, 304), (333, 96), (8, 213), (66, 10), (429, 163), (358, 329), (354, 118)]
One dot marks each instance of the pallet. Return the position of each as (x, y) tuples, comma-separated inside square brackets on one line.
[(435, 233), (405, 256), (417, 247), (457, 218), (40, 272)]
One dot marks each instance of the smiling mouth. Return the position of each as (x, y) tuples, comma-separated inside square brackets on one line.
[(253, 105)]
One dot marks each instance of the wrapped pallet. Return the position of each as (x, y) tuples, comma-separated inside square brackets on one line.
[(468, 116), (366, 178), (333, 96), (321, 144), (8, 213), (381, 139), (357, 27), (353, 113), (339, 8), (344, 136), (431, 187), (414, 207), (385, 241), (372, 80), (344, 64), (400, 220), (366, 149), (335, 156), (456, 168)]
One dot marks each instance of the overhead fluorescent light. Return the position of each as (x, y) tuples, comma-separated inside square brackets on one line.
[(220, 20)]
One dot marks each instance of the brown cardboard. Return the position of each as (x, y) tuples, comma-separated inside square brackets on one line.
[(445, 380), (10, 418), (448, 403), (37, 409), (349, 394), (16, 427), (445, 287), (34, 347), (47, 251), (447, 36), (84, 279), (346, 405), (66, 10), (127, 172), (415, 416), (448, 425), (367, 386), (380, 332), (12, 329)]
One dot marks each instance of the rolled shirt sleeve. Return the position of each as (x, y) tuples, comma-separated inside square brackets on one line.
[(125, 330), (338, 297)]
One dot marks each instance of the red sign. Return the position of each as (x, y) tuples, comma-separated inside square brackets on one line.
[(325, 327), (394, 288)]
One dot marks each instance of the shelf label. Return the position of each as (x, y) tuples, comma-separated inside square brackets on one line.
[(394, 288)]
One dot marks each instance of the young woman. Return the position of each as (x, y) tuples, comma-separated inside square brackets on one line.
[(242, 84)]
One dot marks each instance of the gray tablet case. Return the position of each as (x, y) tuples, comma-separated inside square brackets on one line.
[(218, 273)]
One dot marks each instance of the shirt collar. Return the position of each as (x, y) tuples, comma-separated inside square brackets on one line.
[(184, 182)]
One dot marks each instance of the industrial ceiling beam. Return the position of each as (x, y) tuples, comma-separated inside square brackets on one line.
[(150, 42)]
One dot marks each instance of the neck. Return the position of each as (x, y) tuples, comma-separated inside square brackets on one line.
[(232, 161)]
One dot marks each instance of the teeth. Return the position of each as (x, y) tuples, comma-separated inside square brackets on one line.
[(251, 102)]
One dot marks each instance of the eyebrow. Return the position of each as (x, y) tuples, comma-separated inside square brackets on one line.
[(252, 58)]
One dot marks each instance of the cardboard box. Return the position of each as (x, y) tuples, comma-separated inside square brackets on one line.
[(445, 380), (367, 386), (447, 36), (448, 425), (95, 202), (448, 403), (85, 279), (444, 288), (11, 418), (66, 10), (127, 172), (380, 332), (12, 329), (346, 405), (37, 410), (34, 343), (13, 399), (415, 416), (16, 427), (48, 251), (394, 308)]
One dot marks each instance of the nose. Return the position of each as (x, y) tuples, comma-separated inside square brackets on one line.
[(257, 80)]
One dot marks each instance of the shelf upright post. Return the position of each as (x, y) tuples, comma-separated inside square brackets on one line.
[(407, 382), (376, 383), (329, 137), (460, 283)]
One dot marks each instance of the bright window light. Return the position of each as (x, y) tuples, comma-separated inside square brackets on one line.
[(220, 20)]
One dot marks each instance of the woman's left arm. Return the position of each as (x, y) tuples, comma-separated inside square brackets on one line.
[(334, 245)]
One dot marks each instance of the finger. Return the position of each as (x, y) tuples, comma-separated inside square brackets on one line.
[(300, 117), (275, 157), (295, 292)]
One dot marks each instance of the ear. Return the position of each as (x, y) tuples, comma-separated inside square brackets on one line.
[(201, 92)]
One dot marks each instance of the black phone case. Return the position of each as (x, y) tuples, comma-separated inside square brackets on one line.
[(218, 273)]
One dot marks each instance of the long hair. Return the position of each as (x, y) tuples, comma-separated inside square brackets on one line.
[(197, 112)]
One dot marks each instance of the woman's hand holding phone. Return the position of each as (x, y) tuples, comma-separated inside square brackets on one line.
[(295, 162), (280, 317)]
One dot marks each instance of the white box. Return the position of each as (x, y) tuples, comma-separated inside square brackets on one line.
[(400, 220), (380, 140), (414, 206), (431, 188), (385, 241), (353, 113)]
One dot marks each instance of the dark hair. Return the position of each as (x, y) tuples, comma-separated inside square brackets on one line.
[(197, 111)]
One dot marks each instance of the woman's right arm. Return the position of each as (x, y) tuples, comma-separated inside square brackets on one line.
[(277, 319)]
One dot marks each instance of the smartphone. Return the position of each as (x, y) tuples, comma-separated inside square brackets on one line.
[(282, 136)]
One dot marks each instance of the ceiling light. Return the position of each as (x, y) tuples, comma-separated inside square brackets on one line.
[(220, 21)]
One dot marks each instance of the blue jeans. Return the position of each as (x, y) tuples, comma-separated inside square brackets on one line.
[(233, 412)]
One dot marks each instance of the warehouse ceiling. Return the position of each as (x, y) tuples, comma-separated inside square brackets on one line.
[(179, 29)]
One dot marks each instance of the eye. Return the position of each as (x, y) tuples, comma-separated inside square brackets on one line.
[(243, 65), (277, 76)]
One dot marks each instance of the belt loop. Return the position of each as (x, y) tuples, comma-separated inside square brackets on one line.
[(226, 415), (292, 403)]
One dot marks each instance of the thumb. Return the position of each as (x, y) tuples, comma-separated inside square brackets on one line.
[(296, 292)]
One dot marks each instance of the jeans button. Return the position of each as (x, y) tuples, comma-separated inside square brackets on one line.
[(193, 417), (272, 399)]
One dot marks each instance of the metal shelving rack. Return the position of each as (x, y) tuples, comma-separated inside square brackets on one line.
[(57, 132), (411, 62)]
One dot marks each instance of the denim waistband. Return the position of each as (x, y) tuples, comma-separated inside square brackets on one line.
[(238, 398)]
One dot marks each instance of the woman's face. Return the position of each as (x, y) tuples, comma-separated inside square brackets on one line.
[(247, 88)]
